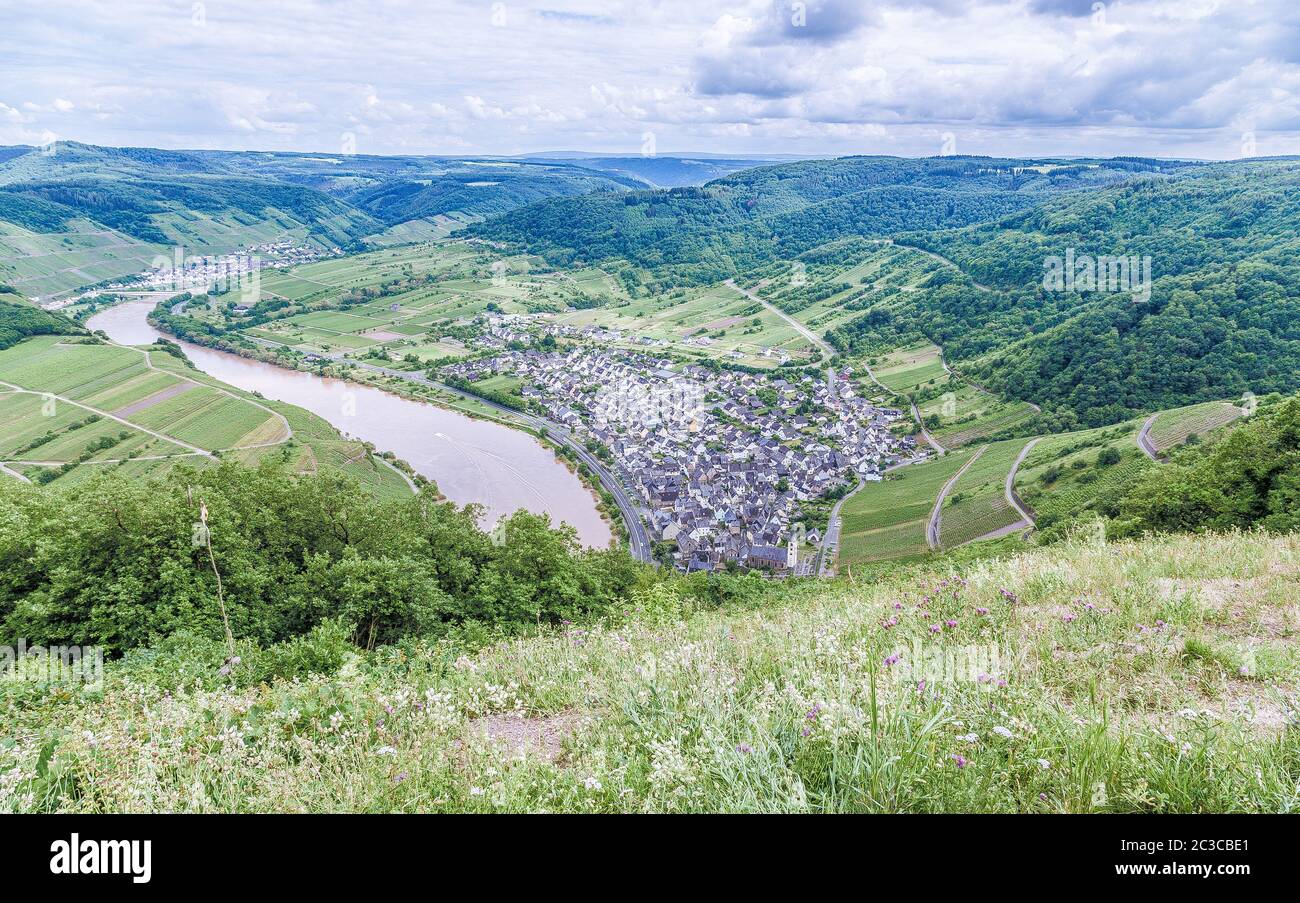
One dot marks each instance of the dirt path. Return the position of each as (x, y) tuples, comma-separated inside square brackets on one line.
[(936, 515), (13, 473), (401, 473)]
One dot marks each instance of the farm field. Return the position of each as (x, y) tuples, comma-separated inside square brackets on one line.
[(1173, 428), (1062, 477), (906, 370), (400, 300), (715, 321), (977, 504), (888, 519), (141, 413)]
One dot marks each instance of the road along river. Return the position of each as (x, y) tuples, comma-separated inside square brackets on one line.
[(471, 460)]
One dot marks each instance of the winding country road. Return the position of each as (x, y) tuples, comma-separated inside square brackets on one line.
[(1012, 498), (936, 515), (14, 473), (1144, 439), (821, 344)]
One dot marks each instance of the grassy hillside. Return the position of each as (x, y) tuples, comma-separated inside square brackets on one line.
[(1140, 677)]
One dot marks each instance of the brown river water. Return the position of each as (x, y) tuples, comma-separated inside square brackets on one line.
[(471, 460)]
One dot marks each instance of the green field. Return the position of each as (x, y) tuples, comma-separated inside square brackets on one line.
[(888, 519), (1173, 428), (977, 504), (908, 369), (143, 413)]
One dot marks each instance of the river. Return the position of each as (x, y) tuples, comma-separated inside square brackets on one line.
[(471, 460)]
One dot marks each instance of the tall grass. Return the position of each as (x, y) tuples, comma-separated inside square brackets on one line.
[(1158, 676)]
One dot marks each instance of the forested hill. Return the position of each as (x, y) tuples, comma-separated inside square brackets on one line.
[(752, 217), (1223, 316), (20, 319)]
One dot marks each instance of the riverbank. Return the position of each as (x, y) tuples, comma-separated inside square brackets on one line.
[(473, 460)]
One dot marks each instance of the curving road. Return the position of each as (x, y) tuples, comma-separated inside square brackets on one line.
[(1012, 499), (1144, 439), (936, 514), (831, 541)]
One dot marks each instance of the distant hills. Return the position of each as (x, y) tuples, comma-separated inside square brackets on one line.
[(1223, 316), (76, 214)]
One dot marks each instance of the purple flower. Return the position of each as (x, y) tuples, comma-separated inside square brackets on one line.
[(814, 711), (744, 749), (892, 660), (959, 759), (935, 628), (951, 622)]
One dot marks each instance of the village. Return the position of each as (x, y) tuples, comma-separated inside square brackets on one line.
[(723, 461)]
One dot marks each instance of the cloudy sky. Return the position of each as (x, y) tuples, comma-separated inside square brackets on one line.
[(1197, 78)]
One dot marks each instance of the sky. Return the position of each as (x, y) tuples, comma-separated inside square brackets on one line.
[(1176, 78)]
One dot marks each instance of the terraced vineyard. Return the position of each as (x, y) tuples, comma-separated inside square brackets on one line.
[(969, 413), (1062, 476), (1172, 428), (977, 504), (888, 519), (69, 410)]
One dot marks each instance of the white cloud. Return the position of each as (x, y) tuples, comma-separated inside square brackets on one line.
[(825, 76)]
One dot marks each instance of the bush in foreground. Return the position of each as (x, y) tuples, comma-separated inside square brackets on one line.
[(1155, 676)]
